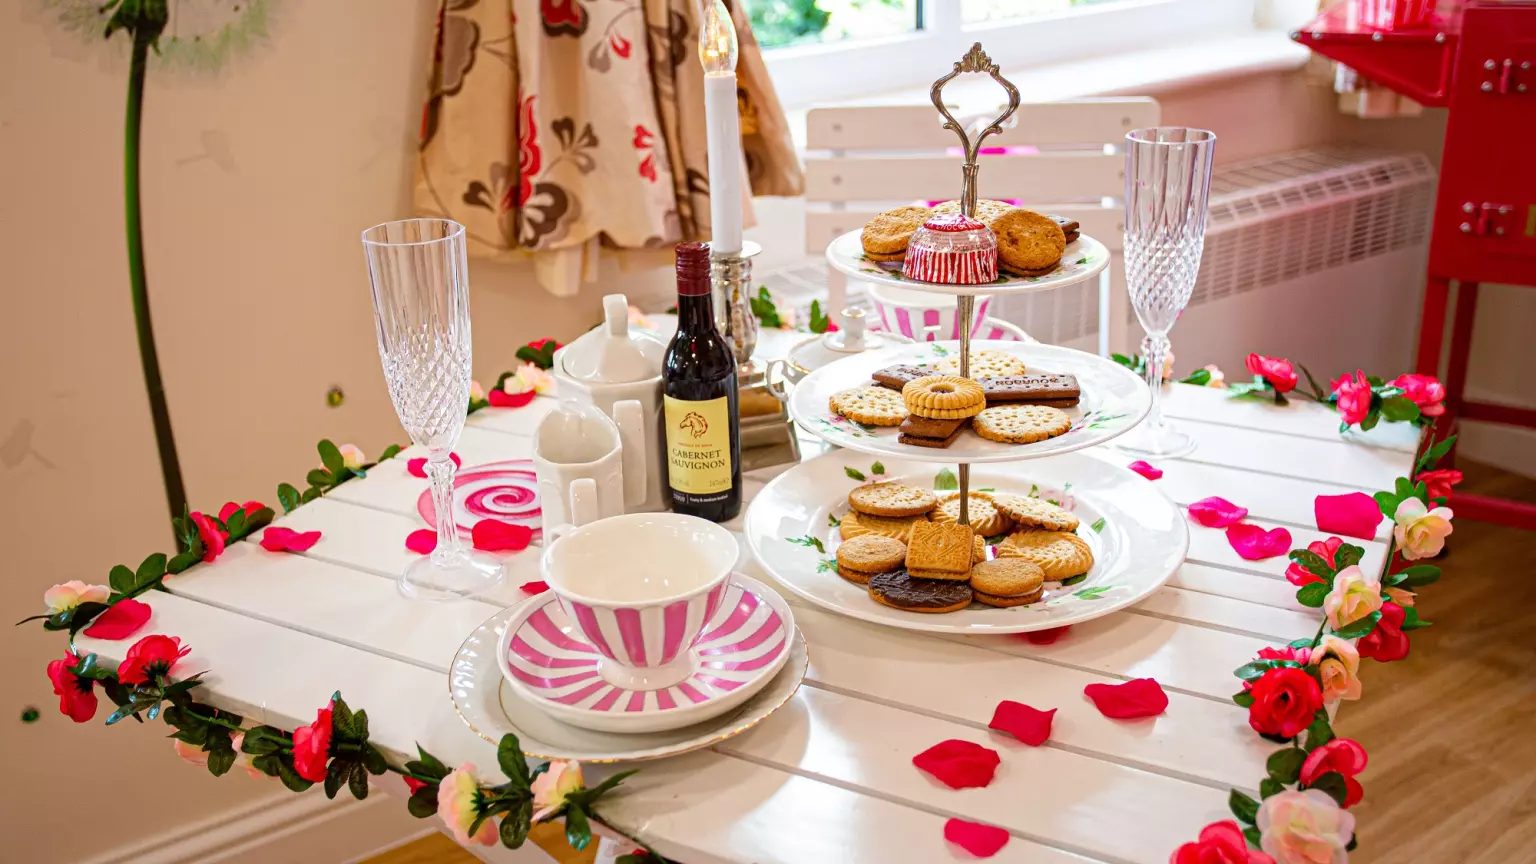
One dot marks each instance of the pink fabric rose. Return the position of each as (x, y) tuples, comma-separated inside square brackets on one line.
[(1355, 595), (1219, 843), (1401, 596), (230, 508), (1386, 642), (1420, 532), (1305, 827), (212, 536), (1438, 483), (67, 595), (77, 696), (1342, 755), (1279, 372), (352, 456), (1354, 397), (1298, 575), (1338, 667), (1217, 379), (551, 788), (476, 392), (312, 746), (1425, 391), (459, 805)]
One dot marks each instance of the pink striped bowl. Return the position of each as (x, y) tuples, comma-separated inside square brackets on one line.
[(923, 316), (745, 642)]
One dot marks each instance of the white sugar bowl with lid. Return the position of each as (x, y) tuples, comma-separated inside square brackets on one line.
[(618, 370), (818, 351)]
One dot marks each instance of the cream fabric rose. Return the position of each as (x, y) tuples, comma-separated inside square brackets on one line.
[(1420, 532), (476, 392), (1401, 596), (458, 805), (530, 377), (352, 456), (1338, 666), (1355, 595), (1305, 828), (67, 595), (551, 788)]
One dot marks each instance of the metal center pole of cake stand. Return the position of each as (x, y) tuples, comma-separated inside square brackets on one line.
[(975, 60)]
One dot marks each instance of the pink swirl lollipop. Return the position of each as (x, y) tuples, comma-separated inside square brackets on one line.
[(508, 491)]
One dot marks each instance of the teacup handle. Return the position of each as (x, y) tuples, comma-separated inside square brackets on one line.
[(776, 387), (583, 500)]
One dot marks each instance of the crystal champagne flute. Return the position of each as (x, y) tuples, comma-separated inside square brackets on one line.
[(420, 283), (1167, 187)]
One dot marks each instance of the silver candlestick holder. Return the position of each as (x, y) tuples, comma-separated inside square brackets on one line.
[(731, 273)]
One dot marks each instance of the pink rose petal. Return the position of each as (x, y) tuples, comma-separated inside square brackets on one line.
[(538, 586), (959, 764), (421, 541), (1354, 514), (983, 841), (1142, 697), (279, 539), (1047, 636), (494, 535), (1030, 725), (121, 620), (1216, 512), (418, 467), (1146, 470), (502, 399), (1253, 543)]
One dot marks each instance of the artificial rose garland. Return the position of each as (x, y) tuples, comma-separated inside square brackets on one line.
[(1420, 532), (1280, 374), (1284, 701)]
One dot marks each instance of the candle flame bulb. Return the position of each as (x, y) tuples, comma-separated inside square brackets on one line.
[(717, 39)]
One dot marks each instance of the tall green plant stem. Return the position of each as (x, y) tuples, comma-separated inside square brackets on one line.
[(165, 441)]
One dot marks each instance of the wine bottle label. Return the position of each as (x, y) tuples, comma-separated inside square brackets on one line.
[(698, 445)]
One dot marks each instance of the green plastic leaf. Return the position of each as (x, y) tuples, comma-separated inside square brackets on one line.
[(319, 477), (330, 456), (1420, 574), (1256, 669), (1434, 454), (854, 473), (423, 802), (763, 309), (1312, 594), (945, 481), (288, 496), (336, 775), (1313, 562), (1244, 699), (587, 796), (1098, 525), (373, 760), (1333, 784), (577, 832), (1348, 555), (1200, 377), (1412, 621), (515, 825), (185, 559), (1399, 410), (390, 452), (1361, 627), (81, 616), (1320, 732), (1243, 806), (1370, 421), (428, 765), (1284, 765), (833, 521), (289, 776), (150, 570), (264, 740), (1270, 786), (220, 761), (121, 579), (1252, 836), (357, 781), (819, 320), (310, 494), (509, 755), (877, 468)]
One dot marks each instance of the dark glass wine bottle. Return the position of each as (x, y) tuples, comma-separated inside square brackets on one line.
[(703, 421)]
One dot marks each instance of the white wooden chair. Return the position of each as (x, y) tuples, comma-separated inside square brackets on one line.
[(861, 160)]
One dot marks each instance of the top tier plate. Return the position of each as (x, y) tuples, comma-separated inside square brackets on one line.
[(1084, 258), (1114, 399)]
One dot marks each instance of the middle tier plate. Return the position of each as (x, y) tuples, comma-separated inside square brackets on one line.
[(1114, 399)]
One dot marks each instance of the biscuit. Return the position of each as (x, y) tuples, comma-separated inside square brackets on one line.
[(855, 524), (1021, 424), (889, 257), (922, 441), (875, 406), (989, 364), (871, 553), (889, 232), (895, 377), (900, 591), (1007, 577), (1034, 389), (855, 576), (891, 499), (1060, 554), (978, 549), (943, 397), (946, 575), (1034, 273), (1069, 227), (987, 209), (1005, 602), (1027, 240), (936, 546), (1035, 512), (984, 517)]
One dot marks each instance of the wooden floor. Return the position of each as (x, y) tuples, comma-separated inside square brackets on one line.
[(1451, 730)]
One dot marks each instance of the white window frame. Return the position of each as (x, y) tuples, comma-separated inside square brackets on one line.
[(812, 74)]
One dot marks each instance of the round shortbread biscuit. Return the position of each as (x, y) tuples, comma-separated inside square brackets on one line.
[(886, 257), (984, 364), (889, 231), (1034, 512), (983, 515), (891, 499), (1007, 577), (855, 524), (876, 406), (1060, 554), (871, 554), (941, 393), (1005, 602), (1027, 240), (1021, 424)]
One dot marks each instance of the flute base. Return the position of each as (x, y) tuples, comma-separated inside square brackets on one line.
[(464, 575), (1160, 441)]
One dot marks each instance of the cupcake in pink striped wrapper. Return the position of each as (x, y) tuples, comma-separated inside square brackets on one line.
[(952, 249)]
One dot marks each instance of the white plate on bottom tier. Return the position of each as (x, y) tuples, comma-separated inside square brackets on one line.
[(1137, 535), (491, 707)]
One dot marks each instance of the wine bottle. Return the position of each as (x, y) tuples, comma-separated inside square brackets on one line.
[(703, 421)]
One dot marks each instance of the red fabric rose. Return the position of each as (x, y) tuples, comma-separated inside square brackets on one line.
[(1354, 397), (1295, 655), (150, 658), (1425, 391), (959, 764), (1343, 755), (230, 508), (1219, 843), (1298, 575), (212, 536), (1279, 372), (414, 785), (77, 696), (538, 344), (1284, 702), (312, 746), (1386, 641), (1438, 483)]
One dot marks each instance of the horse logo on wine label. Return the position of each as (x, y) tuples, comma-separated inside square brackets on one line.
[(695, 424)]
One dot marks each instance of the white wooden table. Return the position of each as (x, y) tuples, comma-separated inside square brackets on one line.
[(829, 777)]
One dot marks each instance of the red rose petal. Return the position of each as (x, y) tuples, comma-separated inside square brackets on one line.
[(422, 541), (1144, 469), (279, 539), (502, 399), (1253, 543), (1216, 512), (121, 620), (494, 535), (1355, 514), (980, 840), (1047, 636), (418, 467), (1142, 697), (413, 784), (538, 586), (959, 764), (1030, 725)]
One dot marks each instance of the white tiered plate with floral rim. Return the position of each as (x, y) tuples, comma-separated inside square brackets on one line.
[(1114, 400), (1084, 258), (1137, 535)]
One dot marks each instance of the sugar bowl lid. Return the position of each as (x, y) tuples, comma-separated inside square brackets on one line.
[(853, 338), (610, 353)]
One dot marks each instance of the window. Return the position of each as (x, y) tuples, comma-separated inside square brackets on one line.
[(827, 50)]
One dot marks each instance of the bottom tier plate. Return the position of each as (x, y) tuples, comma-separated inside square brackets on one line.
[(1138, 537)]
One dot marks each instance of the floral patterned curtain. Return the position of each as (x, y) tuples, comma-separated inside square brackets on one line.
[(555, 127)]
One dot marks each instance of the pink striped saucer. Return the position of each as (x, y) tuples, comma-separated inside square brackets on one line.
[(744, 644)]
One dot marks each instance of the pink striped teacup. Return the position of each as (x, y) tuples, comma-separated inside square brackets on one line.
[(922, 316), (639, 589)]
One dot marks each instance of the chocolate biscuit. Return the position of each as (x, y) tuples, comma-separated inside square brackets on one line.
[(896, 377), (901, 591), (1058, 391), (919, 441), (928, 427), (1069, 227)]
